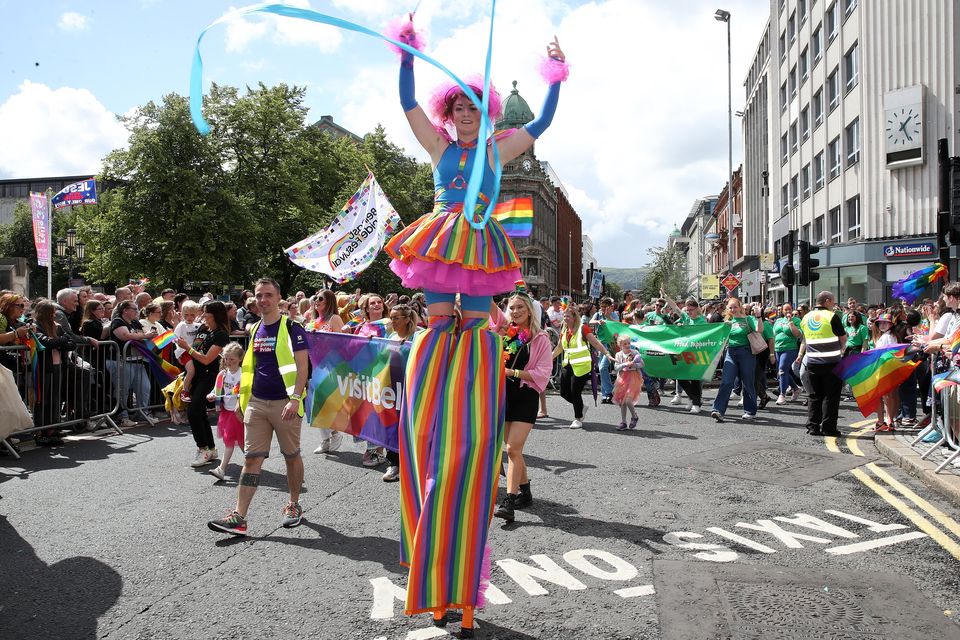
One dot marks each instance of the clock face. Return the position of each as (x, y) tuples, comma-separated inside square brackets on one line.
[(527, 165), (903, 126)]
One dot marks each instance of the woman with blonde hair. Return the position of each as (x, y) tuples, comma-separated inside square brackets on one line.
[(739, 362)]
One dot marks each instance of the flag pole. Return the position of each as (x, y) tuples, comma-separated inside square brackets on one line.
[(49, 244)]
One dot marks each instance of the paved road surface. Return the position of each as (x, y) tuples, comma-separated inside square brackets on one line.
[(680, 529)]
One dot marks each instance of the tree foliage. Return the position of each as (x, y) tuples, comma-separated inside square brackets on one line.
[(222, 208), (668, 271)]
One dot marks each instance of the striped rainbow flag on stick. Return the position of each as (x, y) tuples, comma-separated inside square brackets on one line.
[(164, 339), (875, 373), (516, 216)]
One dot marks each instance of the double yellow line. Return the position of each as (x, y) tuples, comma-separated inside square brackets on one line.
[(876, 484)]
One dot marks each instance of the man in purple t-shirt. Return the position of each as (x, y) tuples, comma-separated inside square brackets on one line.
[(271, 409)]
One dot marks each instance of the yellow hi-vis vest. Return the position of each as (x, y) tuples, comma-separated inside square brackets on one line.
[(285, 361), (823, 346), (576, 353)]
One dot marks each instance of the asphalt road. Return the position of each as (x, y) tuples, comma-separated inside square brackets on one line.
[(681, 529)]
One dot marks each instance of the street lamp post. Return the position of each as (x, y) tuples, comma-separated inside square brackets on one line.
[(724, 16), (70, 249)]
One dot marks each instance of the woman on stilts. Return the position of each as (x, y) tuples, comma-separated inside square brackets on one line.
[(453, 414)]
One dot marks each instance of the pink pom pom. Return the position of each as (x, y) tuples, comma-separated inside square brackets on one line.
[(402, 30), (484, 577), (444, 95), (553, 70)]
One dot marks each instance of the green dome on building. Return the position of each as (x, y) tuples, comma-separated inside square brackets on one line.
[(516, 111)]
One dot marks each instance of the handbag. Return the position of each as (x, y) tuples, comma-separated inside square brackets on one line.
[(757, 342)]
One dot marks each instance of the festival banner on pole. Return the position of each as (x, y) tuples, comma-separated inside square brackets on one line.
[(678, 352), (357, 386), (83, 192), (354, 238), (41, 227)]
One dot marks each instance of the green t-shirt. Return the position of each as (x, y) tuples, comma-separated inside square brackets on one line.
[(686, 319), (783, 338), (857, 336), (654, 318), (767, 330), (739, 328)]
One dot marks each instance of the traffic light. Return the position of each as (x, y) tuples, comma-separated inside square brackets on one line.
[(787, 274), (806, 264)]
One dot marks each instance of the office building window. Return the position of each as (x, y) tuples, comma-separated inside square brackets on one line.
[(792, 27), (818, 108), (794, 193), (833, 22), (785, 199), (853, 218), (783, 46), (802, 11), (833, 151), (805, 232), (818, 230), (783, 97), (836, 229), (819, 171), (805, 181), (833, 89), (794, 141), (793, 82), (848, 7), (852, 139), (784, 149), (804, 65), (805, 124), (816, 44), (851, 67)]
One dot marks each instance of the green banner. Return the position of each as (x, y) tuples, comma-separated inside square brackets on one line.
[(674, 352)]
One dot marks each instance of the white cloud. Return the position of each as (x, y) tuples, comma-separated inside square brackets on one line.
[(72, 21), (243, 30), (48, 132)]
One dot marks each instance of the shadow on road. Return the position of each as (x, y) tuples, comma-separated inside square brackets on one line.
[(360, 549), (61, 600), (640, 432), (556, 467), (554, 515)]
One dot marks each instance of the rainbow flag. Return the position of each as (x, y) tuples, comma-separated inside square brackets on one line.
[(163, 371), (955, 341), (873, 374), (946, 379), (164, 339), (516, 216), (375, 329), (909, 288)]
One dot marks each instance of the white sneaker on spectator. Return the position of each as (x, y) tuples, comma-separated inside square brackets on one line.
[(330, 444), (200, 459), (694, 409), (576, 424), (126, 423), (676, 400)]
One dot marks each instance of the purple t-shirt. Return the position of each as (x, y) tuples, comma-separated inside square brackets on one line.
[(267, 381)]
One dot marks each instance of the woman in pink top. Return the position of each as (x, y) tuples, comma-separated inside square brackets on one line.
[(528, 362)]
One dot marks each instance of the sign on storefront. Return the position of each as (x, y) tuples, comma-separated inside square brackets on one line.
[(909, 250)]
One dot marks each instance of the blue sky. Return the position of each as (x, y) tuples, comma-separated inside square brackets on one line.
[(640, 131)]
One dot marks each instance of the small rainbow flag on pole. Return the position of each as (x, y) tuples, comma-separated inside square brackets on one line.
[(909, 288), (946, 379), (516, 216), (164, 339), (873, 374)]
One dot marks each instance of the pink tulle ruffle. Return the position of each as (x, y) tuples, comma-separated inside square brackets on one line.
[(230, 428), (484, 577), (445, 93), (553, 70), (452, 278), (401, 29)]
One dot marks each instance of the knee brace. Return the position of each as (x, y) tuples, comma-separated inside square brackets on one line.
[(249, 479)]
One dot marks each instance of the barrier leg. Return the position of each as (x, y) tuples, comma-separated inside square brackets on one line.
[(11, 449)]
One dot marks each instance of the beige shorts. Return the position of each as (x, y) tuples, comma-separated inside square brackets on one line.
[(261, 420)]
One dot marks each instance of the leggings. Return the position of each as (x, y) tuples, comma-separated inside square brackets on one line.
[(693, 389), (571, 389)]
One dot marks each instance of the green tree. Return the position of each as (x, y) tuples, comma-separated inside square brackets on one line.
[(668, 271)]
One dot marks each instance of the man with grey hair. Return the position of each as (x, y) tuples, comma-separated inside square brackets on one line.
[(143, 299), (67, 302), (122, 294), (824, 341)]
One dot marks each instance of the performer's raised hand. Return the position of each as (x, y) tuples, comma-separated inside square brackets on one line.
[(554, 51)]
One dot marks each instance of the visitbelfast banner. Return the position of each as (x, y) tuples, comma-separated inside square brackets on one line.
[(357, 386), (41, 227), (354, 238), (678, 352)]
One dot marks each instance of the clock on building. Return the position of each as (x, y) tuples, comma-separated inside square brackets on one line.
[(527, 165), (903, 117)]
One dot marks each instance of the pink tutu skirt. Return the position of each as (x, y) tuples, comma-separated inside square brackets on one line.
[(628, 387), (230, 428)]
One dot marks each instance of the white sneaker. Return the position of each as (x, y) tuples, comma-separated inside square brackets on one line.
[(217, 473), (694, 409), (212, 455), (330, 444), (782, 399), (749, 416), (740, 402), (200, 459), (126, 423), (676, 400), (576, 424), (392, 474)]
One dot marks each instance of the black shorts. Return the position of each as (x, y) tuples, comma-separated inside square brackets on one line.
[(523, 403)]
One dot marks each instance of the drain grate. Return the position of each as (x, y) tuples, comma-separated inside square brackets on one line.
[(704, 601), (773, 464)]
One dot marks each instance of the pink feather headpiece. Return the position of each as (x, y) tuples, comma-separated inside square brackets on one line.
[(401, 29), (445, 94)]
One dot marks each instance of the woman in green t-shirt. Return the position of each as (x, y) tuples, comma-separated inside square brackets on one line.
[(786, 344), (857, 334), (739, 362)]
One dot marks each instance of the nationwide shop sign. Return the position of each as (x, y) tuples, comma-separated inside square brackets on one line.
[(909, 250)]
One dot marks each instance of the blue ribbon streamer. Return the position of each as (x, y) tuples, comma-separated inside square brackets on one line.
[(476, 172)]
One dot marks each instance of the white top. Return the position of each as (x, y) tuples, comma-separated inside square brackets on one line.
[(231, 382), (187, 331), (947, 324), (887, 339)]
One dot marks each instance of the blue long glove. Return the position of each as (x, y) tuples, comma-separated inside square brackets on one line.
[(539, 125), (408, 98)]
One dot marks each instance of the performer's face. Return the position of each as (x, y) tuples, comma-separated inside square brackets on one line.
[(465, 117)]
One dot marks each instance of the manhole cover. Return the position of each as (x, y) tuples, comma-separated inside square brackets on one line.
[(771, 463), (701, 601)]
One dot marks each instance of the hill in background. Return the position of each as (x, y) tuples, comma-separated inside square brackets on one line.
[(626, 278)]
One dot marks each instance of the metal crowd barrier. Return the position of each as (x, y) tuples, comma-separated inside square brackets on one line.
[(76, 391), (947, 424)]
